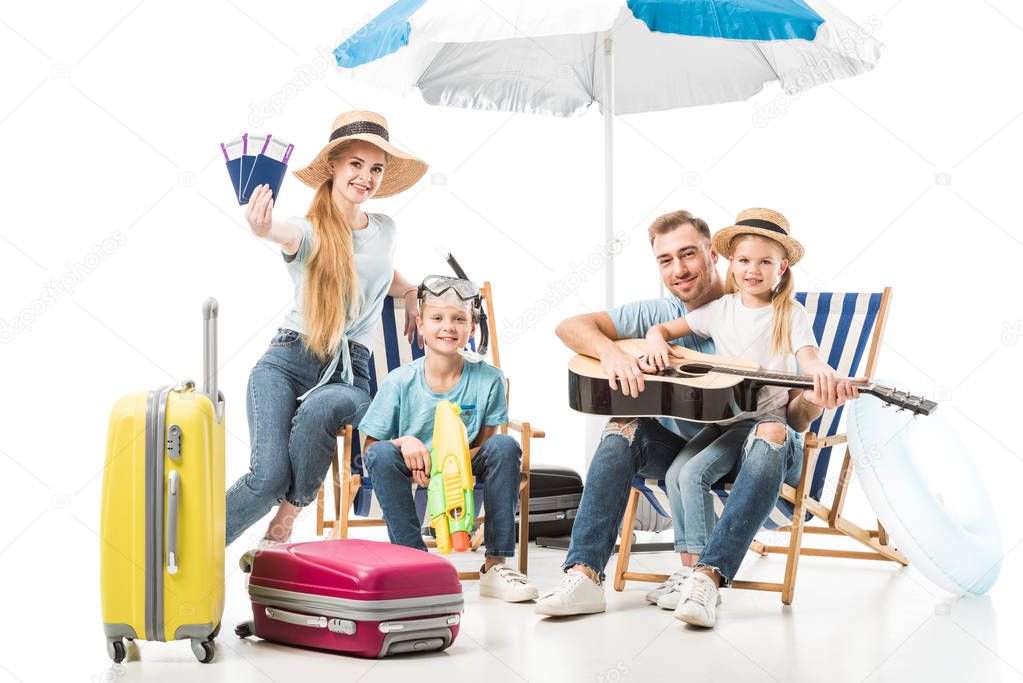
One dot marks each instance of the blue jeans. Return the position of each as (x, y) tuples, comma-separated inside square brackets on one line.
[(496, 465), (708, 458), (292, 443), (637, 446), (763, 468)]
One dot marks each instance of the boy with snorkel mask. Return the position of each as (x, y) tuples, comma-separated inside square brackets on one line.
[(399, 429)]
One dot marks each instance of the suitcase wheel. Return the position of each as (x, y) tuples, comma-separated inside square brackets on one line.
[(115, 648), (244, 629), (203, 650)]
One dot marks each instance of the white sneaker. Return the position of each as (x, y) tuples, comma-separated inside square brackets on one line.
[(245, 561), (699, 601), (670, 600), (504, 583), (670, 586), (576, 594)]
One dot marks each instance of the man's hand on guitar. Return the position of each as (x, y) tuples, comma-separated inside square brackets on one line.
[(624, 367)]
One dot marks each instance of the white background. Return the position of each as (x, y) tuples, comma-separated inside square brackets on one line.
[(110, 119)]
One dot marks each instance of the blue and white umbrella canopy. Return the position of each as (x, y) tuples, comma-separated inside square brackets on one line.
[(547, 56), (558, 57)]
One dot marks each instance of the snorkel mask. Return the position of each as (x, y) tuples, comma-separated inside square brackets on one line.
[(444, 290)]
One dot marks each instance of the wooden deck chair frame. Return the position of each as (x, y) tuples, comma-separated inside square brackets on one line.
[(345, 484), (876, 540)]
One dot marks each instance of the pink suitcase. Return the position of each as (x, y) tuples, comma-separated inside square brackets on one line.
[(359, 597)]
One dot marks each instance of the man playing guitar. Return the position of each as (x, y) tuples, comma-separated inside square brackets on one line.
[(647, 446)]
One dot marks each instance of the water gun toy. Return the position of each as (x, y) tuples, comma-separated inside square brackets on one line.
[(449, 495)]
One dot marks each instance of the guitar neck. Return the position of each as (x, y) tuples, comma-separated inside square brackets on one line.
[(903, 399), (779, 379)]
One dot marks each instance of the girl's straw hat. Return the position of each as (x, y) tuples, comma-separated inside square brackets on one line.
[(402, 171), (764, 222)]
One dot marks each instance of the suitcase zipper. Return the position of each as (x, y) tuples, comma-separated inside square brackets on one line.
[(357, 610), (156, 417)]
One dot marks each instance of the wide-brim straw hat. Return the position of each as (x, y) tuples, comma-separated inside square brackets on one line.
[(763, 222), (401, 172)]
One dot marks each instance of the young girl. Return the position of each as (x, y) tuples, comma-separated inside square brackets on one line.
[(757, 320), (314, 378)]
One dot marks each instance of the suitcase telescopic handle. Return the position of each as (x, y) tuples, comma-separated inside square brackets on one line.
[(210, 311), (173, 496)]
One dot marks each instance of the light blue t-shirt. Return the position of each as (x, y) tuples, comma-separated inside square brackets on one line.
[(404, 404), (634, 320), (374, 266)]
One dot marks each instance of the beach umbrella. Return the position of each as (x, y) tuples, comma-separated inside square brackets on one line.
[(560, 57)]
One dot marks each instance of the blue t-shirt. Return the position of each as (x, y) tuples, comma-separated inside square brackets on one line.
[(373, 247), (404, 404), (634, 320)]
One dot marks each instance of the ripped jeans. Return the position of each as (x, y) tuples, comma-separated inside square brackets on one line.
[(707, 459), (627, 447), (292, 443), (763, 467)]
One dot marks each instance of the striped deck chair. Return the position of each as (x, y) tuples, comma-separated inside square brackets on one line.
[(351, 487), (848, 327)]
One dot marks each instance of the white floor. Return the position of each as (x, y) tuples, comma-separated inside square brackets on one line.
[(851, 621)]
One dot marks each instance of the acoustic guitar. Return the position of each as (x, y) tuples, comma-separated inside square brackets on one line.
[(699, 387)]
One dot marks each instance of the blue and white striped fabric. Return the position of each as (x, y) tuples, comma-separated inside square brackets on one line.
[(546, 57), (390, 351), (843, 325), (391, 30)]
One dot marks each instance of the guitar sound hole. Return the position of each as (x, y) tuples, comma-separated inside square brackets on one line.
[(693, 369)]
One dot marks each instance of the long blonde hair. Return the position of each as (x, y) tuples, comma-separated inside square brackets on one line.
[(781, 302), (331, 282)]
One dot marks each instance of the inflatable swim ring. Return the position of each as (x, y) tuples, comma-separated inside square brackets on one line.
[(920, 479)]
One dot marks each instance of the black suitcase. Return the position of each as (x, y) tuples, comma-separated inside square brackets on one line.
[(554, 495)]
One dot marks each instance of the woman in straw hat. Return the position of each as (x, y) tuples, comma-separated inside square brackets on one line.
[(314, 378), (758, 320)]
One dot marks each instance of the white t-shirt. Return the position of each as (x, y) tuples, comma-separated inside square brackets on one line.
[(745, 333)]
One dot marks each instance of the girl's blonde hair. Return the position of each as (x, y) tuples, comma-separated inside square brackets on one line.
[(331, 281), (781, 300)]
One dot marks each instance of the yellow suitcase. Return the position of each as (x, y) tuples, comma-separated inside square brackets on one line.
[(162, 519)]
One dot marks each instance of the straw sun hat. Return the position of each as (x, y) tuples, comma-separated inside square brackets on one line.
[(402, 172), (764, 222)]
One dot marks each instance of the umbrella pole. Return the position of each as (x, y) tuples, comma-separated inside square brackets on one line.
[(609, 113), (594, 424)]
